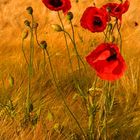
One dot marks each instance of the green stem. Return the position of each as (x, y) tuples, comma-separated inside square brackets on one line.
[(22, 46), (70, 62), (91, 109), (73, 37), (106, 109), (79, 58), (118, 28), (51, 67), (105, 34), (30, 70), (31, 51), (61, 94), (114, 26), (75, 47), (44, 63)]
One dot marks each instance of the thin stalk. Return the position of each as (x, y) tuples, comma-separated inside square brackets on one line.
[(55, 83), (22, 46), (44, 64), (30, 69), (105, 34), (73, 37), (90, 108), (114, 26), (70, 62), (73, 76), (75, 47), (106, 110), (51, 67), (118, 28), (60, 92), (90, 117), (112, 97), (31, 50), (44, 60), (31, 45)]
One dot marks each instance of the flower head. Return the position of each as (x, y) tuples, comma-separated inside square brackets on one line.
[(57, 5), (116, 10), (107, 61), (94, 19)]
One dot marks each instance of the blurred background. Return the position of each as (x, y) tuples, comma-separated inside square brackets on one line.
[(13, 13)]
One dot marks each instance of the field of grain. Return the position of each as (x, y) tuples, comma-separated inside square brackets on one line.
[(65, 114)]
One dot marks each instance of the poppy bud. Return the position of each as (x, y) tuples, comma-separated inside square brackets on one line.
[(43, 44), (27, 23), (25, 34), (29, 10), (57, 27), (35, 25), (11, 81), (70, 16), (109, 26)]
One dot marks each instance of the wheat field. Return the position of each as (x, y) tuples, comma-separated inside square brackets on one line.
[(50, 119)]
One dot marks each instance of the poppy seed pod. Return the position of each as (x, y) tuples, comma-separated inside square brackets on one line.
[(57, 27), (29, 10), (27, 23), (43, 44), (70, 16)]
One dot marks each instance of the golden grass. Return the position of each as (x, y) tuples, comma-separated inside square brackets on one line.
[(55, 122)]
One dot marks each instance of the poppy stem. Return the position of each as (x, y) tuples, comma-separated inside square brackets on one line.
[(72, 72), (70, 62), (22, 46), (73, 37), (75, 47), (30, 72), (120, 35), (105, 34), (61, 94), (44, 60), (91, 107), (78, 56), (114, 26), (106, 101)]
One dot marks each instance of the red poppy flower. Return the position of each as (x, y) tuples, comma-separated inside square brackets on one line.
[(107, 61), (116, 10), (94, 19), (57, 5)]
